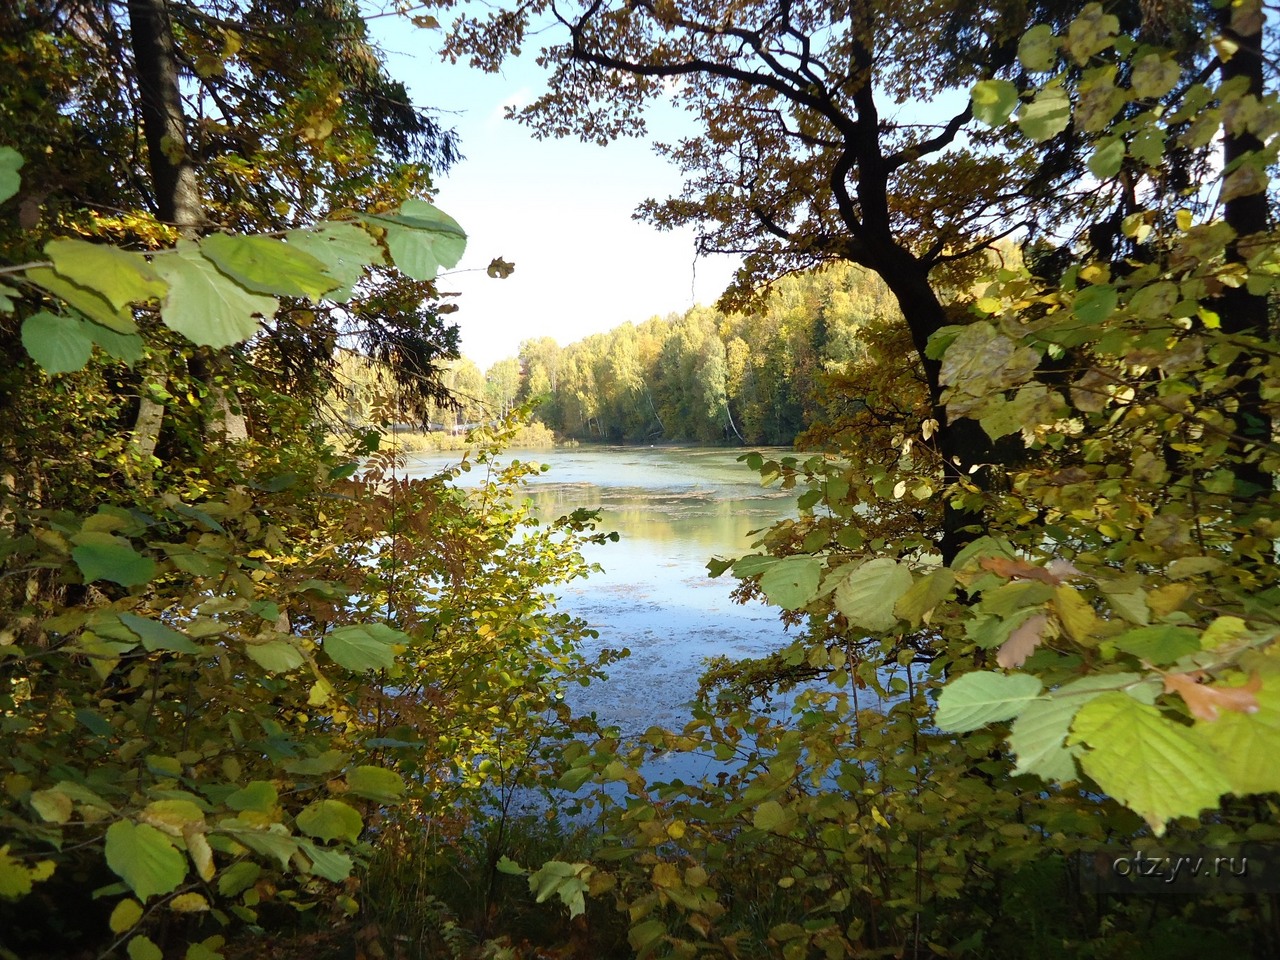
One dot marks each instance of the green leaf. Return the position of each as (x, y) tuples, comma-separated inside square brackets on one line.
[(1159, 645), (344, 248), (1156, 767), (267, 265), (994, 100), (422, 239), (1154, 76), (330, 820), (158, 636), (752, 564), (1038, 48), (1107, 158), (925, 594), (364, 646), (976, 699), (121, 277), (144, 858), (330, 864), (100, 556), (60, 344), (85, 299), (1047, 115), (143, 948), (238, 877), (10, 180), (204, 305), (272, 841), (868, 596), (774, 817), (376, 783), (126, 347), (1038, 738), (574, 778), (645, 937), (1094, 304), (792, 581), (258, 795), (275, 656)]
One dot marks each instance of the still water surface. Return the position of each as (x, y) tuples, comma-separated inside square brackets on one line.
[(674, 508)]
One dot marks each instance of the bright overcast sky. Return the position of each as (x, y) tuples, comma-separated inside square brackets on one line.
[(560, 210)]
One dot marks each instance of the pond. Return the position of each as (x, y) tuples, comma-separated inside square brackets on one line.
[(674, 508)]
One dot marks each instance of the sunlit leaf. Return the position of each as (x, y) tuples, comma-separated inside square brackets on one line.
[(1156, 767), (976, 699), (330, 820), (792, 581), (345, 249), (376, 783), (268, 266), (84, 299), (144, 858), (364, 646), (868, 596), (120, 276), (203, 304), (994, 100), (10, 180)]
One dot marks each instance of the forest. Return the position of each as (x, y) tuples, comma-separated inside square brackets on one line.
[(267, 691)]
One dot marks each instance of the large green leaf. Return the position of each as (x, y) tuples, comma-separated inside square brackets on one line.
[(422, 239), (60, 344), (10, 179), (364, 646), (1156, 767), (376, 783), (144, 858), (88, 301), (275, 656), (994, 100), (344, 248), (267, 265), (792, 581), (329, 864), (1038, 738), (1047, 115), (121, 277), (205, 305), (259, 795), (330, 820), (976, 699), (158, 636), (101, 556), (867, 597)]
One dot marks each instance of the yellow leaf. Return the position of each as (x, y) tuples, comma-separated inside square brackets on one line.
[(125, 915), (189, 903)]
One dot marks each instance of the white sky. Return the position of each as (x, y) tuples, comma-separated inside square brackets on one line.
[(560, 210)]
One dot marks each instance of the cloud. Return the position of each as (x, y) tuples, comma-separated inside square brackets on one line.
[(515, 100)]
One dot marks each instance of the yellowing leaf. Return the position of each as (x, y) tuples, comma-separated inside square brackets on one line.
[(1154, 766), (126, 913), (87, 301), (993, 101), (792, 581), (119, 276), (189, 903), (1047, 115), (376, 783), (868, 596)]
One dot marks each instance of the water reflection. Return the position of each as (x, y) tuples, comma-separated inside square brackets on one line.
[(674, 508)]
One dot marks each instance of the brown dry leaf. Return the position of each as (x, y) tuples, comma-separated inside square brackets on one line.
[(1205, 701), (1022, 642), (1053, 573)]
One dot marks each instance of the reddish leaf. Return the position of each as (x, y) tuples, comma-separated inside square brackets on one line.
[(1205, 701)]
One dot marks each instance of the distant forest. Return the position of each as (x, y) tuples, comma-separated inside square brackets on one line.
[(759, 377)]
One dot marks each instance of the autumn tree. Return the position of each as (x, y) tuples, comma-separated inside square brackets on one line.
[(813, 145)]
